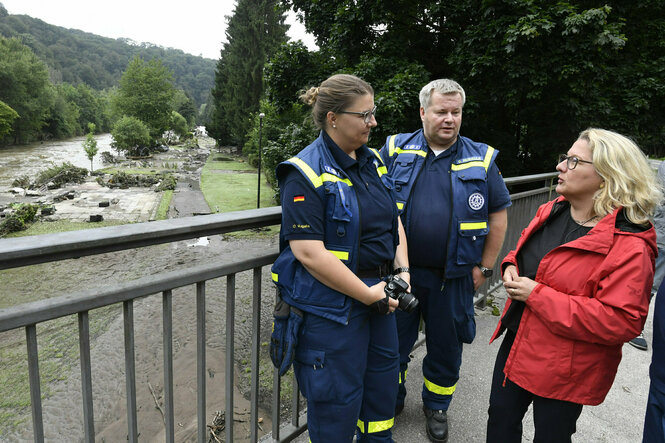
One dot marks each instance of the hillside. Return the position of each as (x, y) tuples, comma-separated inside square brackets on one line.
[(75, 56)]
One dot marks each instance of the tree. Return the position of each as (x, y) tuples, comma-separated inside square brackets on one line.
[(130, 135), (179, 124), (90, 144), (146, 92), (7, 117), (536, 73), (184, 105), (25, 87), (254, 32)]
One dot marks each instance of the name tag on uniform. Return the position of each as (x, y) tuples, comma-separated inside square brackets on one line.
[(331, 170)]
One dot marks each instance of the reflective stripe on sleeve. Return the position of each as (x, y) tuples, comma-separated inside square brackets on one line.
[(275, 277)]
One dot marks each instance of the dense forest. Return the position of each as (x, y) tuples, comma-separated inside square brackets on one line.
[(77, 57), (535, 72)]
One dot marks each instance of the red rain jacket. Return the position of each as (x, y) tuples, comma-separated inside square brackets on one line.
[(592, 297)]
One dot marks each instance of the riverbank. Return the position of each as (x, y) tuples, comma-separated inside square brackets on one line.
[(58, 339)]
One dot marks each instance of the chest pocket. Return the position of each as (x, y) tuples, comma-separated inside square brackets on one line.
[(473, 179), (338, 205), (402, 170)]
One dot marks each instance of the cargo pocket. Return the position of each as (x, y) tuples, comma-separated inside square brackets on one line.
[(472, 235), (314, 377)]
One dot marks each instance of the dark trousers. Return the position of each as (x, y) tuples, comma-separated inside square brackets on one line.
[(348, 375), (554, 420), (654, 420), (447, 309)]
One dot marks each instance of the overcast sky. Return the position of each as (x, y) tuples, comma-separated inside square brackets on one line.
[(195, 26)]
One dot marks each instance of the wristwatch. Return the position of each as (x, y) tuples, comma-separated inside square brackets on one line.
[(400, 270), (487, 272)]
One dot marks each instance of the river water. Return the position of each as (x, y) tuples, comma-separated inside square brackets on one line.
[(33, 158)]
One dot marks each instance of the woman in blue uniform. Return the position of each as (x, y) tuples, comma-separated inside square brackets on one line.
[(340, 236)]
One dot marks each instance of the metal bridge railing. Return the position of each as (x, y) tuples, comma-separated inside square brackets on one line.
[(25, 251)]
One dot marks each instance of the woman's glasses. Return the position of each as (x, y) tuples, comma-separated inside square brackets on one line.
[(367, 115), (572, 161)]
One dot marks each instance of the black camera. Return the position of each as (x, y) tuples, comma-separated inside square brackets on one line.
[(396, 289)]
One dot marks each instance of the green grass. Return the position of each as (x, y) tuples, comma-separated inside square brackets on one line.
[(235, 192), (229, 166), (51, 227), (164, 204)]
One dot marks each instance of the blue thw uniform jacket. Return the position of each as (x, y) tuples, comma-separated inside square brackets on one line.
[(342, 232), (404, 156)]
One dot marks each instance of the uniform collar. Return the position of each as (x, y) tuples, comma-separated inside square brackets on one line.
[(342, 158)]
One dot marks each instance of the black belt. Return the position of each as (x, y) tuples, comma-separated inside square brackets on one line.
[(380, 271)]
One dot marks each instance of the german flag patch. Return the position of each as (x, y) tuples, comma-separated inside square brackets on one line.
[(298, 198)]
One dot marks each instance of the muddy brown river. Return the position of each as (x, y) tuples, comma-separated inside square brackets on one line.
[(30, 159)]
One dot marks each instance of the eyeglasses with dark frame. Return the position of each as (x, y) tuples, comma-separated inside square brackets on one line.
[(367, 115), (572, 161)]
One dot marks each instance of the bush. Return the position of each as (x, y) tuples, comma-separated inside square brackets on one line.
[(17, 221), (168, 183), (61, 175), (292, 140), (130, 135)]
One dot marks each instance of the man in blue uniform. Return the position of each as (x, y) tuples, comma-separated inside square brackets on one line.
[(452, 201)]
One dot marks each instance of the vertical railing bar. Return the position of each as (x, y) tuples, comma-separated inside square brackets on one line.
[(295, 401), (86, 376), (230, 354), (276, 400), (130, 371), (167, 322), (201, 360), (276, 396), (35, 387), (256, 333)]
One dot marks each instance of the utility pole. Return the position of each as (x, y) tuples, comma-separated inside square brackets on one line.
[(258, 188)]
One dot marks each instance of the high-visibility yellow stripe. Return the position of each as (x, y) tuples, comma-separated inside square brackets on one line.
[(400, 205), (381, 170), (419, 152), (275, 277), (391, 145), (402, 379), (441, 390), (485, 163), (315, 179), (342, 255), (466, 226), (371, 427), (375, 152)]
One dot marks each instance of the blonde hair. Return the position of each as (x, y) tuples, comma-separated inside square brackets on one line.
[(630, 182), (334, 94)]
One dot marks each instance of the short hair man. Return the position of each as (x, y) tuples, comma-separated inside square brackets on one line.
[(452, 201)]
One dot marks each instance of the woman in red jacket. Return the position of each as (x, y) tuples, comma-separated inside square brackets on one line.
[(578, 285)]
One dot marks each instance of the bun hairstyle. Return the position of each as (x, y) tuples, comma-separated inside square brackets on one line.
[(333, 95)]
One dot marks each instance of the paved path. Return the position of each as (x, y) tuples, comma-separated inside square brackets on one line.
[(619, 419)]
